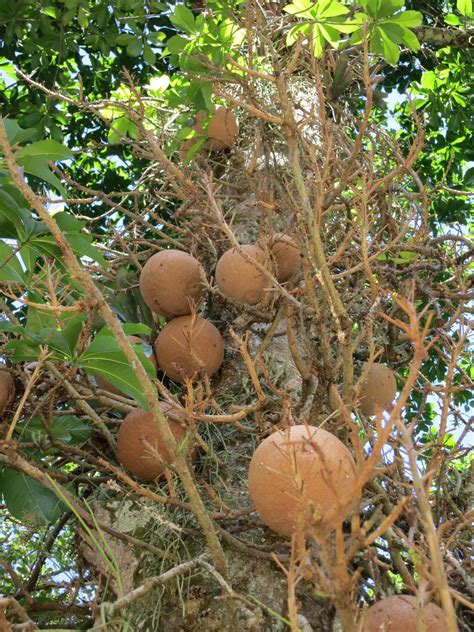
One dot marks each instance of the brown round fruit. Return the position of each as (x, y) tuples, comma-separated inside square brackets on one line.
[(171, 283), (287, 256), (222, 130), (7, 390), (238, 278), (399, 614), (378, 391), (189, 346), (139, 442), (301, 476), (107, 386)]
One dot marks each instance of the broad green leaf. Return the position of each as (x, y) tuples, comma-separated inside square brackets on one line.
[(411, 40), (394, 32), (428, 80), (148, 54), (406, 18), (391, 52), (38, 320), (389, 7), (17, 134), (124, 39), (7, 201), (47, 149), (104, 357), (121, 127), (381, 8), (72, 331), (194, 150), (135, 47), (82, 18), (10, 267), (132, 329), (65, 428), (464, 7), (68, 223), (452, 19), (185, 133), (82, 247), (331, 9), (176, 44), (182, 18), (330, 34), (295, 32), (27, 499), (318, 41), (23, 350), (46, 245), (301, 8), (39, 167)]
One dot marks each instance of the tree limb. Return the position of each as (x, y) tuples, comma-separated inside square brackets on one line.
[(441, 37)]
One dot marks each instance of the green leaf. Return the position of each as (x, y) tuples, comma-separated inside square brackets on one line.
[(72, 331), (82, 247), (39, 167), (45, 244), (10, 267), (428, 80), (185, 133), (17, 134), (331, 9), (148, 54), (381, 8), (330, 34), (391, 52), (48, 149), (182, 18), (68, 223), (23, 350), (452, 19), (122, 126), (39, 320), (406, 18), (65, 428), (124, 39), (104, 357), (27, 499), (411, 40), (295, 32), (132, 329), (176, 44), (464, 7), (82, 18), (135, 47), (301, 8), (318, 41)]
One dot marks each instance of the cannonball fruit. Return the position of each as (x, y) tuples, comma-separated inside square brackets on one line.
[(238, 278), (107, 386), (190, 347), (378, 391), (287, 256), (399, 614), (301, 476), (171, 282), (222, 130), (139, 442), (7, 390)]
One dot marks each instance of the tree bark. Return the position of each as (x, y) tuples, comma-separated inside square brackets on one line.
[(441, 37)]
